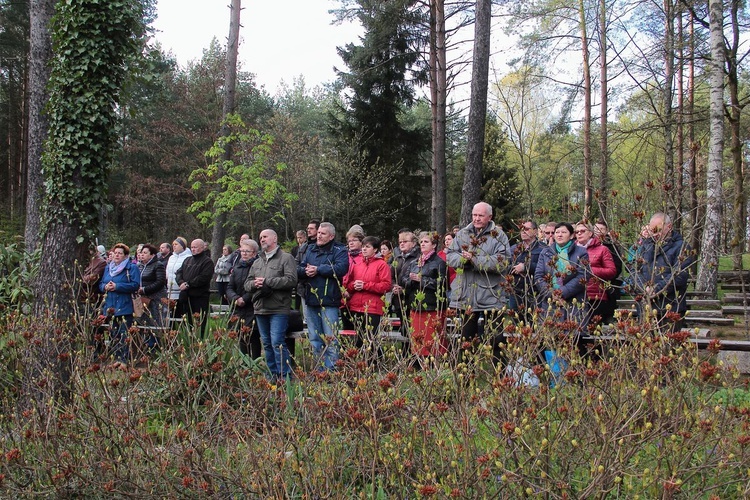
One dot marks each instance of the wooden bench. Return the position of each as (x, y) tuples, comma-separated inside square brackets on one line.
[(736, 310), (712, 303), (219, 310)]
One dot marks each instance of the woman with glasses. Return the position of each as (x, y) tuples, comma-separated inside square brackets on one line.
[(560, 280), (241, 301), (524, 257), (602, 270)]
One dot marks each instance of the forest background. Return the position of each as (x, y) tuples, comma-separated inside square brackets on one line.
[(604, 113)]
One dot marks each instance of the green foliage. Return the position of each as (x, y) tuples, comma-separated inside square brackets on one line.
[(93, 43), (17, 270), (242, 181)]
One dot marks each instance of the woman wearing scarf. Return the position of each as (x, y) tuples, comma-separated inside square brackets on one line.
[(425, 284), (121, 279), (560, 278)]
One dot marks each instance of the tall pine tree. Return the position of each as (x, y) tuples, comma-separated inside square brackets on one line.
[(370, 127)]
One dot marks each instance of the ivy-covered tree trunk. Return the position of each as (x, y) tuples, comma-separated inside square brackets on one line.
[(709, 256), (40, 15), (92, 44), (477, 110)]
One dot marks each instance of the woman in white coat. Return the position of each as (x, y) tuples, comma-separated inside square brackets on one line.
[(180, 252)]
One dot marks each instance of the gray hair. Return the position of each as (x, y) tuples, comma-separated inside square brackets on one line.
[(247, 242), (329, 227), (486, 206)]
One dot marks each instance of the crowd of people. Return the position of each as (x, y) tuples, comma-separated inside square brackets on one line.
[(573, 273)]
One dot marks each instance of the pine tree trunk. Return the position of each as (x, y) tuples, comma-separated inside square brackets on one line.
[(230, 86), (438, 93), (737, 244), (709, 257), (477, 110), (668, 118), (603, 143), (587, 181)]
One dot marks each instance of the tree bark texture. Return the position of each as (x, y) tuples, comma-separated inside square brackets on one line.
[(477, 110), (230, 86), (667, 104), (709, 256), (587, 181), (438, 94), (737, 244), (40, 13), (604, 96)]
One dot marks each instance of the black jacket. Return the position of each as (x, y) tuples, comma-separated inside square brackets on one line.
[(433, 283), (236, 290), (197, 271), (154, 279)]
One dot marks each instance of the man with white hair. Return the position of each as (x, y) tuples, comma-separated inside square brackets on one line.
[(194, 279), (480, 254), (271, 279)]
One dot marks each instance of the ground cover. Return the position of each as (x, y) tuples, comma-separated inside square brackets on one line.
[(647, 418)]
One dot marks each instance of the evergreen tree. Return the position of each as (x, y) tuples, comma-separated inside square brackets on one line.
[(499, 183), (370, 129)]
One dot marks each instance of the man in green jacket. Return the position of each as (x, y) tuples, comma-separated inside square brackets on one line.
[(271, 280)]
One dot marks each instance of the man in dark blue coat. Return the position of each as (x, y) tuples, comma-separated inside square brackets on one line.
[(321, 269), (660, 271)]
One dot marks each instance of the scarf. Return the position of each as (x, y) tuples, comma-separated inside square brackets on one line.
[(561, 264), (114, 269), (424, 258)]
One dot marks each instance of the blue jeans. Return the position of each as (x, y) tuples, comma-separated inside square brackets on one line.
[(272, 328), (322, 331)]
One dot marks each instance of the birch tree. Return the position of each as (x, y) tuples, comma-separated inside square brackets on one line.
[(709, 256)]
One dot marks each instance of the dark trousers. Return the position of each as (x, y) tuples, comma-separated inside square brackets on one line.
[(485, 325), (196, 305)]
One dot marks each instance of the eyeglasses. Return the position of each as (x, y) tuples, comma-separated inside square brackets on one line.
[(549, 232), (247, 251), (581, 231)]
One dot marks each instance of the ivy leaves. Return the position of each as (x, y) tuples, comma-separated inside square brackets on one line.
[(93, 43)]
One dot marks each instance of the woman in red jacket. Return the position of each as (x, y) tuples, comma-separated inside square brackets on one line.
[(601, 270), (367, 282)]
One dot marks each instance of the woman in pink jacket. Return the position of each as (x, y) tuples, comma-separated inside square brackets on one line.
[(601, 270), (367, 282)]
